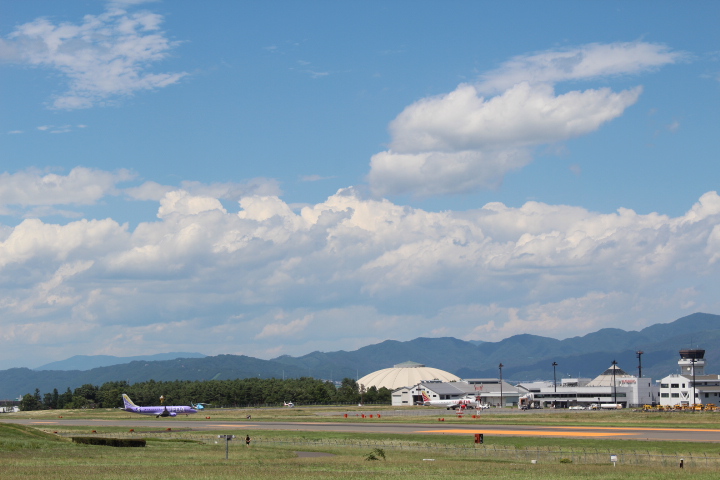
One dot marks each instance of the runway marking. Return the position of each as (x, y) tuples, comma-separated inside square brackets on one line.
[(233, 426), (529, 433), (642, 429), (51, 423)]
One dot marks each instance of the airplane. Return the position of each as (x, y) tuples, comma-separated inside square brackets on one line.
[(461, 403), (288, 404), (161, 411), (199, 406)]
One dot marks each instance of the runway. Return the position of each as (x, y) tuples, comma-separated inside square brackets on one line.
[(624, 433)]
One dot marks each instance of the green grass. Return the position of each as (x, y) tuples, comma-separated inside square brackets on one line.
[(278, 436), (31, 453)]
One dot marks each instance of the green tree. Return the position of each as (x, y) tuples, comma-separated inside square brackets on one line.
[(29, 402), (348, 391), (48, 401), (65, 399)]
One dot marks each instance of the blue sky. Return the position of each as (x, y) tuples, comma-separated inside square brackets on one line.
[(269, 178)]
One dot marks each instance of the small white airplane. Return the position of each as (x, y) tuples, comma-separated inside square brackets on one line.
[(455, 403), (288, 404)]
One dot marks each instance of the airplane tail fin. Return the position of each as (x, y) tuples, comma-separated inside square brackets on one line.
[(128, 403), (425, 396)]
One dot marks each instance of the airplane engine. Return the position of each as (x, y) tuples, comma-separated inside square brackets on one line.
[(172, 414)]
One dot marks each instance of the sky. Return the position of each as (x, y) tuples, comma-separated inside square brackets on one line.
[(277, 178)]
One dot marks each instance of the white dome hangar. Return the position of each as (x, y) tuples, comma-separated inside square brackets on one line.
[(404, 375)]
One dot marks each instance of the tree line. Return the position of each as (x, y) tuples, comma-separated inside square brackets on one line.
[(227, 393)]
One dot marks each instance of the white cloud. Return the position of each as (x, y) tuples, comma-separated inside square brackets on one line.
[(82, 186), (285, 329), (579, 63), (180, 202), (334, 275), (225, 191), (464, 141), (103, 57), (59, 128)]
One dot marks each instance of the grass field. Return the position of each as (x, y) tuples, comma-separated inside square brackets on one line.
[(29, 453)]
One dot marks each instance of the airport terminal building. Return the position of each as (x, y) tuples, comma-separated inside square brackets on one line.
[(613, 386)]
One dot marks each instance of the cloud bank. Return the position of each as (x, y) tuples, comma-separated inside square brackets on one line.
[(264, 280)]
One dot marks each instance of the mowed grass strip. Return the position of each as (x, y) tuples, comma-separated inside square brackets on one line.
[(399, 440), (27, 453)]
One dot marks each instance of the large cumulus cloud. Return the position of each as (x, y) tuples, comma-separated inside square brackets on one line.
[(471, 138), (265, 280)]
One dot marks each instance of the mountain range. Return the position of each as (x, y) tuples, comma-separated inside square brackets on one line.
[(524, 358), (88, 362)]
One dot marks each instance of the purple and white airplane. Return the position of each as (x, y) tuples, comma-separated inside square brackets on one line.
[(162, 411)]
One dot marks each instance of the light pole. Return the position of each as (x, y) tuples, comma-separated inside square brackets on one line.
[(614, 364), (501, 392), (693, 360), (554, 377), (639, 355)]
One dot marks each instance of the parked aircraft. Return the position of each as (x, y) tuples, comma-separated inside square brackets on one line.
[(466, 402), (160, 411), (288, 404)]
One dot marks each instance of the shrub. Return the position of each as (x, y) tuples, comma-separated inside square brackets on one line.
[(111, 442)]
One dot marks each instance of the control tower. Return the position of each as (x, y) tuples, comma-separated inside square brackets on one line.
[(692, 358)]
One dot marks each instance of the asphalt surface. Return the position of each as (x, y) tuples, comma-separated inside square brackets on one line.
[(376, 426)]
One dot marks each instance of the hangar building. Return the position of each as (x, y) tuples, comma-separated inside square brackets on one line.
[(405, 374)]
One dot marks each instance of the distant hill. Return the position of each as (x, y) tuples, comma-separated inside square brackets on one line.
[(529, 357), (88, 362), (524, 357)]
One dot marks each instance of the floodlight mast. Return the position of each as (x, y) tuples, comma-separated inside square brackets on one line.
[(614, 364), (693, 360), (501, 389)]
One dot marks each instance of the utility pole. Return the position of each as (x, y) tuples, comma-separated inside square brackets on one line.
[(693, 372), (554, 377), (501, 390), (614, 365), (639, 356)]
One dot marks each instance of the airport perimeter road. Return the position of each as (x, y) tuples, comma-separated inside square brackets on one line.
[(619, 433)]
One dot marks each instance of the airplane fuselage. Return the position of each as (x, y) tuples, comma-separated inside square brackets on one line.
[(158, 411), (169, 411)]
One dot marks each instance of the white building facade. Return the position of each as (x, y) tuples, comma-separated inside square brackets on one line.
[(692, 385)]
